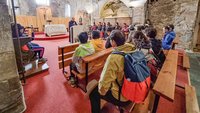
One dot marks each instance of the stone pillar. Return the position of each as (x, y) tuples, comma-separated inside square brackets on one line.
[(11, 92)]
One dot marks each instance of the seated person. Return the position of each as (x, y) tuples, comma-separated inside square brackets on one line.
[(84, 49), (96, 41), (108, 44), (39, 51), (113, 70), (20, 30), (140, 41), (156, 44), (168, 37)]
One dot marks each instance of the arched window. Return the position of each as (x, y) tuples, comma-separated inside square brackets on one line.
[(67, 10), (42, 2)]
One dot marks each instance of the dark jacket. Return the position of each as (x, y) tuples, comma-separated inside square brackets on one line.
[(14, 34), (108, 44), (72, 23), (157, 49)]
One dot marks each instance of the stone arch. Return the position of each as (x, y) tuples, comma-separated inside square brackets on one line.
[(114, 8)]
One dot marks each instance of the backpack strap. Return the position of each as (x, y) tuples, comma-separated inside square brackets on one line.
[(120, 87), (120, 90), (119, 53)]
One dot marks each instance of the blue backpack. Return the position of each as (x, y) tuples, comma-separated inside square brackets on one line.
[(137, 80)]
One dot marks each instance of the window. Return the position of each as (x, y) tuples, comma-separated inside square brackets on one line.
[(67, 10), (42, 2)]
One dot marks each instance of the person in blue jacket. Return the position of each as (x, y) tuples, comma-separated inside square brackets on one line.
[(171, 28), (168, 37)]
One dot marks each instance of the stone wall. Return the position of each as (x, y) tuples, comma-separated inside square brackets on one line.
[(11, 96), (138, 15), (181, 13), (28, 7)]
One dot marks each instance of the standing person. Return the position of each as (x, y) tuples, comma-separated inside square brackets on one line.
[(99, 26), (125, 30), (168, 38), (104, 30), (113, 71), (117, 26), (80, 21), (71, 23), (109, 25), (94, 27)]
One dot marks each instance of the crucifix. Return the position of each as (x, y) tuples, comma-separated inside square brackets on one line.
[(44, 11)]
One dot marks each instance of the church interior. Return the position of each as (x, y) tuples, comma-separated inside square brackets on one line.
[(99, 56)]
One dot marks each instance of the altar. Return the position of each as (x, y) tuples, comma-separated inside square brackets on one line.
[(55, 29)]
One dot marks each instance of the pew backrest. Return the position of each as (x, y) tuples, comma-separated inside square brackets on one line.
[(191, 100), (175, 42), (186, 62), (65, 54), (165, 83)]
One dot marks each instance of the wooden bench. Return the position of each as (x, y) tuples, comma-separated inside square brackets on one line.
[(65, 54), (29, 65), (165, 83), (175, 42), (186, 62), (92, 84), (191, 100), (91, 63)]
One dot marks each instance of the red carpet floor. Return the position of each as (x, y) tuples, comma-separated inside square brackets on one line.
[(42, 36), (49, 92)]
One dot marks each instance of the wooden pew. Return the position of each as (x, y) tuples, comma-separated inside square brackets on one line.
[(191, 100), (186, 63), (29, 65), (91, 63), (65, 54), (165, 83), (92, 84), (175, 42)]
